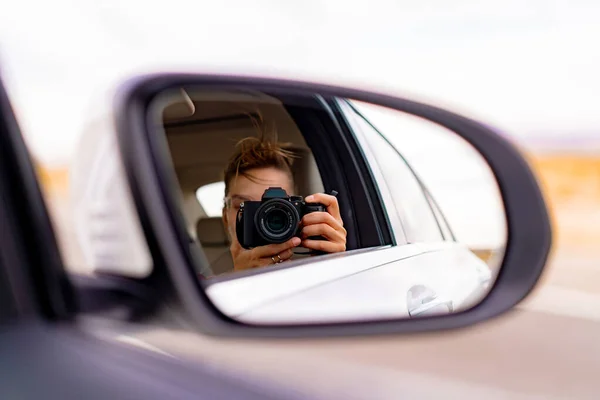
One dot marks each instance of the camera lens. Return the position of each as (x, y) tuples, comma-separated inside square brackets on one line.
[(276, 220)]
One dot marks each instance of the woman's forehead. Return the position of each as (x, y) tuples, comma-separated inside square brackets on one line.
[(257, 181)]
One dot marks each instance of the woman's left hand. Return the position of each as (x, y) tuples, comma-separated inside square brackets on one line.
[(326, 224)]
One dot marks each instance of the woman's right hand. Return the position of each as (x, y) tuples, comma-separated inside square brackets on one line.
[(262, 256)]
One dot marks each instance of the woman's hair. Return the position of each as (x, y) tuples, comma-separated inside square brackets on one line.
[(252, 153)]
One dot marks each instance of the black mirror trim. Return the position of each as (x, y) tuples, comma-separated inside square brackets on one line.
[(152, 181)]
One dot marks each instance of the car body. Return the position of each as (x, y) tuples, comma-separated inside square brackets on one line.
[(412, 280)]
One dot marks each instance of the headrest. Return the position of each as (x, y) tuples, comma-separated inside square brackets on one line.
[(210, 232)]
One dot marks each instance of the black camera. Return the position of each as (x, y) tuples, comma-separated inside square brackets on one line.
[(274, 219)]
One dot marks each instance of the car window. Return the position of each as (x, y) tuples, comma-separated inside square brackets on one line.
[(210, 198), (410, 201)]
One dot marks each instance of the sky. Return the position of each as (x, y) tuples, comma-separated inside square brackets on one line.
[(527, 67)]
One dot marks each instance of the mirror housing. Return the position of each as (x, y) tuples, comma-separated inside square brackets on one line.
[(149, 173)]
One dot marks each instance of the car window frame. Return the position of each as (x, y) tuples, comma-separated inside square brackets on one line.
[(349, 108), (440, 217), (391, 222), (327, 139)]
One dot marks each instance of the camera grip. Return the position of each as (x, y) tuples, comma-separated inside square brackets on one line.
[(318, 207), (314, 207)]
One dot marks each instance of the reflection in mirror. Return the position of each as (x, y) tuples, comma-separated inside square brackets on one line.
[(307, 209)]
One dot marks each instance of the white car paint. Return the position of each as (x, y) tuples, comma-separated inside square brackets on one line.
[(370, 285)]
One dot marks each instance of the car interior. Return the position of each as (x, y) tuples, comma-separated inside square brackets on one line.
[(202, 129)]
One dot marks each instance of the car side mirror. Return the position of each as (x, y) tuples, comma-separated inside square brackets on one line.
[(403, 267)]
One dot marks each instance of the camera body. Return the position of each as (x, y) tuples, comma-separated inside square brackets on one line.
[(272, 220)]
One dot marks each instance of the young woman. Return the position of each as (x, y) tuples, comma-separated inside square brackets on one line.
[(255, 166)]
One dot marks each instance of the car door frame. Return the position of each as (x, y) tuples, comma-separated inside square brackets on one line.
[(343, 107), (336, 158), (445, 228)]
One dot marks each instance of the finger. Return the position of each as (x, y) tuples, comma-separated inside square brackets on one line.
[(324, 245), (285, 255), (315, 218), (276, 259), (322, 230), (273, 249), (264, 262), (329, 201)]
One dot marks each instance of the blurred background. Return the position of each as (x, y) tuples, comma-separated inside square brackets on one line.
[(529, 68)]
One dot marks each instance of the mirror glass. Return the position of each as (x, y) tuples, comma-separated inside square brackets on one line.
[(310, 209)]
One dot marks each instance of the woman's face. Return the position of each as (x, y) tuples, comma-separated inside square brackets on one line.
[(243, 189)]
